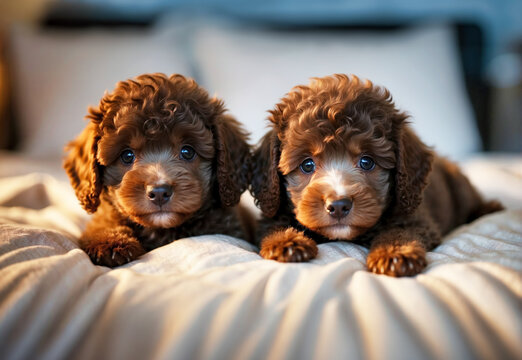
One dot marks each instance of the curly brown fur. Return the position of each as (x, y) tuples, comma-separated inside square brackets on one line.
[(288, 245), (159, 160), (342, 163)]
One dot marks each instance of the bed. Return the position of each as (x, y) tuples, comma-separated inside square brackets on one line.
[(213, 297)]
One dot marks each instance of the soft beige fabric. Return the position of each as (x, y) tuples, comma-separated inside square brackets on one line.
[(214, 297), (58, 73), (238, 65)]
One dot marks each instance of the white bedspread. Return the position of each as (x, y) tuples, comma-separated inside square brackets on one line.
[(214, 297)]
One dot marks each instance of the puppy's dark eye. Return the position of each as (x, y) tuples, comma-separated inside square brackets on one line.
[(127, 157), (366, 163), (187, 153), (307, 166)]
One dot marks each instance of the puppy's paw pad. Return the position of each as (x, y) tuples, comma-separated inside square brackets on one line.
[(113, 252), (397, 260), (288, 246)]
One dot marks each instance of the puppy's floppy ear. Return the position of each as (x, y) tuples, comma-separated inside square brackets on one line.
[(265, 178), (414, 161), (233, 159), (82, 167)]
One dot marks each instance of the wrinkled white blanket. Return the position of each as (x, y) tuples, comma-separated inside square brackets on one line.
[(214, 297)]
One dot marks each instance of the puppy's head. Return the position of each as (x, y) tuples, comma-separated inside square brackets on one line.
[(342, 154), (159, 149)]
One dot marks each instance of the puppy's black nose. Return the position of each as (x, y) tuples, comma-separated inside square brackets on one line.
[(159, 195), (338, 208)]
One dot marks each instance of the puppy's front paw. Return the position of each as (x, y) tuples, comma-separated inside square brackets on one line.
[(288, 245), (397, 260), (112, 249)]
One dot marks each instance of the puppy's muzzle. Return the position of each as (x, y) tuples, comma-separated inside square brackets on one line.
[(339, 208), (159, 195)]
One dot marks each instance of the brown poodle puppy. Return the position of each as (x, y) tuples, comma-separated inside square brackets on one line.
[(341, 163), (159, 160)]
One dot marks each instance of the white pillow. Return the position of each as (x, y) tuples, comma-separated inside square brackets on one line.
[(57, 74), (252, 69)]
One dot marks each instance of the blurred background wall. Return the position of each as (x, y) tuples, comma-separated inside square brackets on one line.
[(59, 56)]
